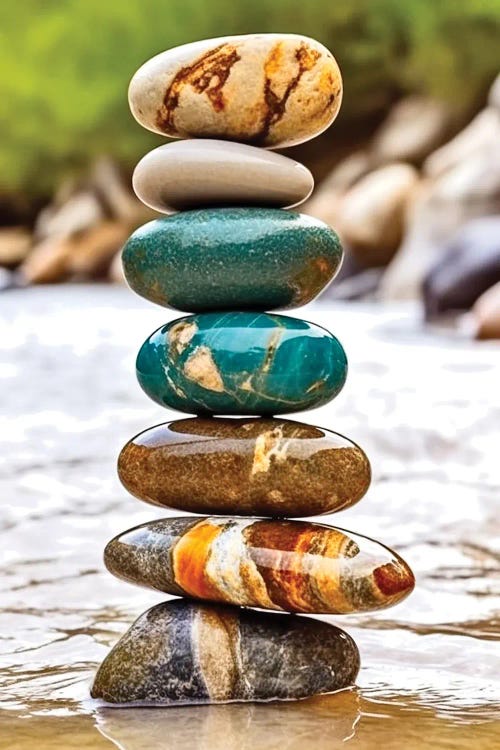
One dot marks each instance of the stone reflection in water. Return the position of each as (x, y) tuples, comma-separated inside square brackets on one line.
[(324, 722), (319, 722)]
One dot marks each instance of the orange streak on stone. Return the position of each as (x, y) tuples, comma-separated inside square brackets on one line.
[(190, 557), (392, 580), (328, 577), (288, 583), (274, 60), (323, 265), (206, 75), (296, 582)]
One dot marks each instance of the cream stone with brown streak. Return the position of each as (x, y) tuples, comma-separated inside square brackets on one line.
[(270, 90)]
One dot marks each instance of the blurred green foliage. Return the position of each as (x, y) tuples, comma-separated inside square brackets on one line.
[(65, 64)]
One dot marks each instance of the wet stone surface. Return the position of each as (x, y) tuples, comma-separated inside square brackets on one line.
[(71, 402), (241, 363), (274, 564), (260, 467), (180, 652)]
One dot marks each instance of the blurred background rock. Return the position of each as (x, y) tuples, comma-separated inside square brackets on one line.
[(409, 174)]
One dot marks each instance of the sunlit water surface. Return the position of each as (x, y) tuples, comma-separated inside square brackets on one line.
[(425, 408)]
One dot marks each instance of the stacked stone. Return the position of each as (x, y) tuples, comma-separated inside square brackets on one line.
[(229, 255)]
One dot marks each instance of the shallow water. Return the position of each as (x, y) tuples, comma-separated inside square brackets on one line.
[(424, 407)]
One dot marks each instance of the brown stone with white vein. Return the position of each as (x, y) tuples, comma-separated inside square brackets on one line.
[(270, 90), (266, 466)]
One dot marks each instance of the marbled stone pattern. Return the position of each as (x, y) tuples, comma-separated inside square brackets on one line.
[(241, 363), (183, 652), (294, 566), (255, 467), (199, 173), (271, 90), (232, 258)]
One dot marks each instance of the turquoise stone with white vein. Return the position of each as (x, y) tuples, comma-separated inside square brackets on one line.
[(241, 363)]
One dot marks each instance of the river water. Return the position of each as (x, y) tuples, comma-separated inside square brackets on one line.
[(424, 406)]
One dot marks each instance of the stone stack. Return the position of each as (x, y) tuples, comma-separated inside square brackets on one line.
[(230, 254)]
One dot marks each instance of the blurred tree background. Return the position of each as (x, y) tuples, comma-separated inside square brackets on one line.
[(65, 65)]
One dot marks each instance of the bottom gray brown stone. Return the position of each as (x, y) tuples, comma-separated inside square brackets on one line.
[(182, 652)]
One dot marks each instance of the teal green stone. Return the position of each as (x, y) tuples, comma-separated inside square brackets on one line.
[(241, 363), (232, 258)]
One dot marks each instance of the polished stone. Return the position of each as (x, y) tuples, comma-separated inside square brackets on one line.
[(294, 566), (232, 258), (241, 363), (270, 90), (260, 467), (181, 652), (204, 172)]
